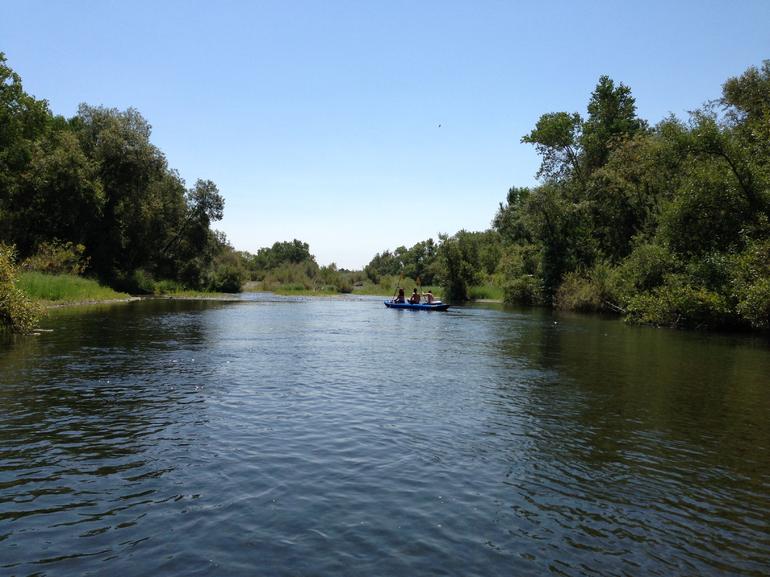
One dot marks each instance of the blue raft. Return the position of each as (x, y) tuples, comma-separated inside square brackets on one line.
[(439, 306)]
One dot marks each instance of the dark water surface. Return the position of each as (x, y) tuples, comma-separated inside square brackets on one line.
[(337, 437)]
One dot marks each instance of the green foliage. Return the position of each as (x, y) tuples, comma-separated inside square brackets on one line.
[(642, 271), (557, 137), (226, 278), (750, 283), (57, 258), (17, 312), (511, 218), (486, 292), (523, 290), (280, 254), (679, 304), (64, 288), (611, 120), (589, 292), (417, 261), (97, 181), (465, 260), (138, 282)]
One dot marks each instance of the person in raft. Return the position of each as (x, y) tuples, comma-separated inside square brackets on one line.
[(400, 298), (415, 298), (428, 297)]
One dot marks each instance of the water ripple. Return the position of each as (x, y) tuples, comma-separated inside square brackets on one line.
[(336, 437)]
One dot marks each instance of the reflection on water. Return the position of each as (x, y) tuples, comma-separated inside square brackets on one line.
[(318, 437)]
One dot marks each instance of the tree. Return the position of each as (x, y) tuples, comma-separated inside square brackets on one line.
[(557, 138), (611, 119), (23, 121), (510, 220), (127, 166)]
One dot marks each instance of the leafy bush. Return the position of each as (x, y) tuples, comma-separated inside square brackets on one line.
[(57, 258), (523, 290), (754, 305), (591, 292), (226, 279), (678, 304), (17, 311), (163, 287), (751, 284), (136, 282), (643, 270), (578, 293)]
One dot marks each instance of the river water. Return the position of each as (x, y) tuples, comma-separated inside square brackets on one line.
[(297, 437)]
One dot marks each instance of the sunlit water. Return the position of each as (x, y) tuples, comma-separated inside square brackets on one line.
[(300, 437)]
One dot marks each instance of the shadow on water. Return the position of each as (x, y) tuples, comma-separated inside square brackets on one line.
[(639, 443)]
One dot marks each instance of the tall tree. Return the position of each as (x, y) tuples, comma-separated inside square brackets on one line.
[(557, 138), (128, 164), (611, 119), (23, 121)]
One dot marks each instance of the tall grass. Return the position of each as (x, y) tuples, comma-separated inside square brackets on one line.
[(64, 288), (486, 292)]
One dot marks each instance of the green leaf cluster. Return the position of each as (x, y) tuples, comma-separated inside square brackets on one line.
[(17, 312)]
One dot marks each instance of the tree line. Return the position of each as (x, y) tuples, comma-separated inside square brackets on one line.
[(96, 182), (665, 224)]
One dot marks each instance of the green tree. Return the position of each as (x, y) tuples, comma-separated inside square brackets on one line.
[(611, 119), (465, 260), (557, 139), (127, 164), (23, 121), (510, 220)]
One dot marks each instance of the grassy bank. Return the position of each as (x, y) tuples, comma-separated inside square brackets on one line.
[(63, 288)]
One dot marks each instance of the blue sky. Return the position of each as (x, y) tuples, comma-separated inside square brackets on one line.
[(320, 120)]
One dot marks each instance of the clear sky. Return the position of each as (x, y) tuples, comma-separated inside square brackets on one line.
[(358, 126)]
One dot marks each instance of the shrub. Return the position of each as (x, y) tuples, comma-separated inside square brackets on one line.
[(523, 290), (57, 258), (643, 270), (678, 304), (751, 284), (17, 311), (754, 305), (486, 291), (594, 291), (136, 282), (226, 279), (163, 287)]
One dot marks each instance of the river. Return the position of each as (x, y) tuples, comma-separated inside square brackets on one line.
[(297, 437)]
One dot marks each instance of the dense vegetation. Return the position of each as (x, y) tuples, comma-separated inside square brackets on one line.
[(94, 187), (290, 267), (666, 224), (96, 181), (17, 311)]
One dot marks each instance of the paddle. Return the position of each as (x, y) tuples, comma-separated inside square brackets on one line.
[(400, 278)]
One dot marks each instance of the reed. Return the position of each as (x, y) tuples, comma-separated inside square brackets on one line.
[(61, 288)]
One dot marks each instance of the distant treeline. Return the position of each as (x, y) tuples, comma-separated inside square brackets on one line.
[(666, 224), (291, 266)]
